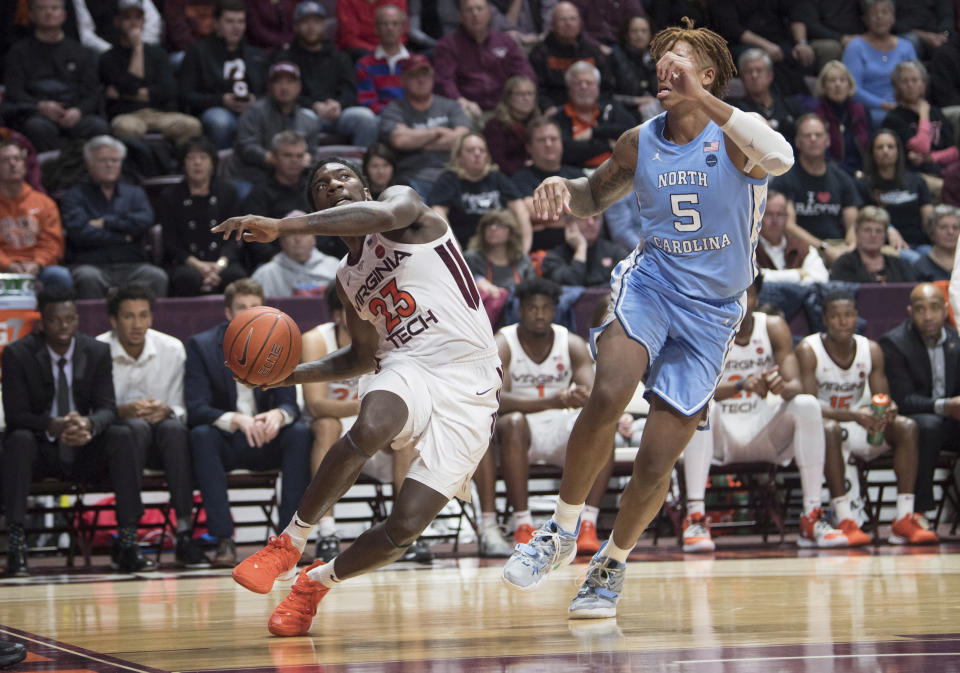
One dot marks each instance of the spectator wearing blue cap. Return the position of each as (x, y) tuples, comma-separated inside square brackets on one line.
[(329, 83)]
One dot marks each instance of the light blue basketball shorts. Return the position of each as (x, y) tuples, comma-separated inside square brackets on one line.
[(687, 339)]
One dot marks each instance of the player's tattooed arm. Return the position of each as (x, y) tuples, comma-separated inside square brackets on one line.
[(614, 179)]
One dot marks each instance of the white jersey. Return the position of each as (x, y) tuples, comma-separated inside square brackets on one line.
[(539, 379), (336, 390), (754, 358), (421, 299), (841, 388)]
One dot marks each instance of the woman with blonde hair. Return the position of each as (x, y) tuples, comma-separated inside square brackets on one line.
[(472, 186), (506, 130), (866, 263), (847, 121), (495, 253)]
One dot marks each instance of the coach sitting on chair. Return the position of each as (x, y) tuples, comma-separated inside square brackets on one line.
[(59, 405), (232, 426), (923, 367)]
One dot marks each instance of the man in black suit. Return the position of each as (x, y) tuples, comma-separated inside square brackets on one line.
[(922, 358), (60, 409), (232, 426)]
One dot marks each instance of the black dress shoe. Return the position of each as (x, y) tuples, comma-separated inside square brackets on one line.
[(16, 563), (328, 547), (418, 552), (189, 554), (11, 653), (131, 559)]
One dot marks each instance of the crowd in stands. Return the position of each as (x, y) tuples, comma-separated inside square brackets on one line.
[(129, 127)]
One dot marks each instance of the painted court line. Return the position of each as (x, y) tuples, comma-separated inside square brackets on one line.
[(76, 651)]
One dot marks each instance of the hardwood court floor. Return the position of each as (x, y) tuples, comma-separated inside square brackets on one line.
[(878, 610)]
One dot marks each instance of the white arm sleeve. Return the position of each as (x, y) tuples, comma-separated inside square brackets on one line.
[(763, 146), (954, 291)]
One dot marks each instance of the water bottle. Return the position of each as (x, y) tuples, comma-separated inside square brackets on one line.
[(878, 405)]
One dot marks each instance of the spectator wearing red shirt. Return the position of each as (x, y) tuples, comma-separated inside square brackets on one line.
[(356, 21), (474, 62)]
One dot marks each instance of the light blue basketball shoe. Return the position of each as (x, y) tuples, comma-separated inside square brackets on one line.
[(600, 591), (548, 549)]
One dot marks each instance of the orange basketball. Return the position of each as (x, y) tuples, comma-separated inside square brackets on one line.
[(262, 345)]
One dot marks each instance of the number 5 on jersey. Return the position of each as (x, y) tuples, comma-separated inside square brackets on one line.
[(677, 201)]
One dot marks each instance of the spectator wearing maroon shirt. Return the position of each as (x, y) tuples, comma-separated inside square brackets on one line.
[(602, 18), (474, 62), (187, 21), (506, 130), (270, 23)]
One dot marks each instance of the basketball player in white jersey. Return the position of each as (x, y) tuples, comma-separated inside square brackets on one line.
[(547, 376), (332, 408), (760, 414), (843, 370), (417, 323)]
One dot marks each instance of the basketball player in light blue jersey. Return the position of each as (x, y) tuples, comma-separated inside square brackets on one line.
[(700, 172)]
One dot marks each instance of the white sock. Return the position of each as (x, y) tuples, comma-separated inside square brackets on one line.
[(324, 574), (521, 518), (615, 552), (488, 520), (298, 530), (811, 476), (567, 516), (327, 526), (590, 513), (841, 508), (696, 507), (904, 505)]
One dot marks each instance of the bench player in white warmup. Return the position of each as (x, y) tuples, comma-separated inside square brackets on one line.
[(837, 366), (547, 376), (760, 414), (416, 321)]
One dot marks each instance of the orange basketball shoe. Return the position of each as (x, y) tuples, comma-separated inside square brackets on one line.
[(855, 536), (523, 534), (587, 542), (909, 531), (815, 532), (295, 613), (696, 534), (278, 560)]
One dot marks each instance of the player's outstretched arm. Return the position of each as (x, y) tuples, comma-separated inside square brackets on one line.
[(584, 197), (347, 362), (397, 208)]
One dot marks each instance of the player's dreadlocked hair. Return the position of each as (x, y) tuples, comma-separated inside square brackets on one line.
[(707, 44)]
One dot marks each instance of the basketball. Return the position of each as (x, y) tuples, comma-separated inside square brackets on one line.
[(262, 345)]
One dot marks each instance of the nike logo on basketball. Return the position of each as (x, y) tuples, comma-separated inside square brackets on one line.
[(242, 360), (484, 392)]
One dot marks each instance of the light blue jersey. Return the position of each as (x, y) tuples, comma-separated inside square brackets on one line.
[(700, 214)]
